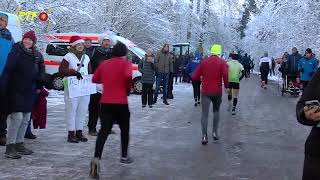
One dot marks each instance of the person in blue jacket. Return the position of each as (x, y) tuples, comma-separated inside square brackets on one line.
[(191, 67), (6, 42), (308, 65)]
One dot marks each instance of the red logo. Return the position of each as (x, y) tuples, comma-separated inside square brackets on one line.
[(43, 16)]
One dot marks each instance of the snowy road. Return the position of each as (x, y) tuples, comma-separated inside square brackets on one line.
[(262, 142)]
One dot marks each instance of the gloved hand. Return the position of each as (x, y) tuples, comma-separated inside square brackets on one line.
[(79, 76), (301, 70)]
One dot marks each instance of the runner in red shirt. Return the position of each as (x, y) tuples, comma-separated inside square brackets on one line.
[(212, 70)]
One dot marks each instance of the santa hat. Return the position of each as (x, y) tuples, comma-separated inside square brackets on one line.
[(31, 35), (74, 40)]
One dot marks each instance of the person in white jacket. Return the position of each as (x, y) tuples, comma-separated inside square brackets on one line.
[(76, 63), (265, 64)]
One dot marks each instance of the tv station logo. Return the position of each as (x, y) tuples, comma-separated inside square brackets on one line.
[(32, 16)]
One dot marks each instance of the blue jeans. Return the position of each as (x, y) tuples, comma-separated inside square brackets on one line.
[(162, 77)]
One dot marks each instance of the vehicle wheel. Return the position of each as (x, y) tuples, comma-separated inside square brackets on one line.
[(137, 85), (57, 83)]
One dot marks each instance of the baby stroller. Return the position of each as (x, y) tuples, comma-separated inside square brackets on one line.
[(292, 85)]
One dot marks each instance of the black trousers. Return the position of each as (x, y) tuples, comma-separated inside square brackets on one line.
[(196, 90), (94, 110), (108, 115), (311, 168), (3, 125), (170, 84), (264, 74), (147, 94)]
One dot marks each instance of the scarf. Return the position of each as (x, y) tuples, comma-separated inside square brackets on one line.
[(5, 33), (104, 50)]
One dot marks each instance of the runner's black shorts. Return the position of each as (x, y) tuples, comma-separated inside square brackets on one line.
[(233, 85)]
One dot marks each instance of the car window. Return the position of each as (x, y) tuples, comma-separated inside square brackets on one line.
[(132, 57), (57, 50)]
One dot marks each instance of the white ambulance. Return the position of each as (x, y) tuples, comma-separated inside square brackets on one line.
[(60, 42)]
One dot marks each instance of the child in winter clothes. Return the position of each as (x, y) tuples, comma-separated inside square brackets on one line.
[(39, 112), (76, 63), (148, 70)]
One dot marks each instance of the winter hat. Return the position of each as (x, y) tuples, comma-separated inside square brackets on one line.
[(119, 50), (74, 40), (216, 49), (308, 51), (31, 35), (103, 37), (234, 55), (4, 15)]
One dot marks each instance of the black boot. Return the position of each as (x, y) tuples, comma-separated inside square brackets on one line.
[(80, 136), (30, 136), (3, 141), (11, 152), (22, 150), (72, 137)]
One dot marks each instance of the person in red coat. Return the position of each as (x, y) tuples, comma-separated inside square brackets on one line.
[(115, 75), (39, 112), (212, 70)]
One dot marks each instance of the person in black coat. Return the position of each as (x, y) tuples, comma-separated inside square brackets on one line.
[(310, 116), (99, 55), (19, 82)]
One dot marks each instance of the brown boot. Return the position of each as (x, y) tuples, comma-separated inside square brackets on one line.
[(72, 137), (3, 141)]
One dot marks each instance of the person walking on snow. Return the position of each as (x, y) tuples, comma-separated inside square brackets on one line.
[(212, 70), (196, 84), (165, 66), (76, 63), (115, 75), (19, 82), (308, 65), (148, 70), (236, 73), (100, 54), (265, 64), (6, 42)]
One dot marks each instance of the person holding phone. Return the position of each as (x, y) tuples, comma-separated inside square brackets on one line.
[(308, 113)]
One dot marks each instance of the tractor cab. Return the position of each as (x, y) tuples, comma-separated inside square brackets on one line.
[(181, 52)]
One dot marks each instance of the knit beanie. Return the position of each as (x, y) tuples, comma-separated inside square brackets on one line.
[(31, 35)]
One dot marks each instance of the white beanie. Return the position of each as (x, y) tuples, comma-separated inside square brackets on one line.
[(103, 37), (107, 36)]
